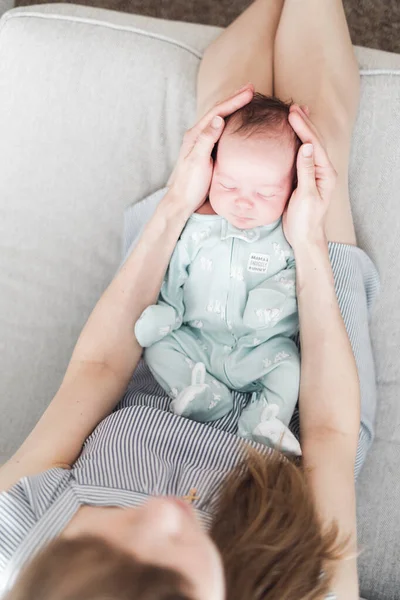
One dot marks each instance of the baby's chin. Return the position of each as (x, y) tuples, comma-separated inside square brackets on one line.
[(242, 223), (248, 223)]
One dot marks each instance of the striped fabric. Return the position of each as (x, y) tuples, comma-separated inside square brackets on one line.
[(141, 449)]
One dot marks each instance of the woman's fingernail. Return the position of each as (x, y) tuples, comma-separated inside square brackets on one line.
[(242, 88), (307, 150), (216, 122)]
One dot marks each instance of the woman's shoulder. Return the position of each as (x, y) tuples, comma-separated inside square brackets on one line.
[(22, 508), (37, 491)]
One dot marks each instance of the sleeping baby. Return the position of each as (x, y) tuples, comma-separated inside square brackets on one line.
[(227, 311)]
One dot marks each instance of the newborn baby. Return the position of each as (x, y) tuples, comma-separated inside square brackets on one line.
[(227, 311)]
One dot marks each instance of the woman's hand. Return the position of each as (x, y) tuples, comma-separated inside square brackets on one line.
[(304, 217), (191, 178)]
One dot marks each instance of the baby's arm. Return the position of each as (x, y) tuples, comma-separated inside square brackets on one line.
[(286, 278), (158, 320), (273, 303)]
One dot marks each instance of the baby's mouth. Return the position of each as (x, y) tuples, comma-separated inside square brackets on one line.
[(243, 218)]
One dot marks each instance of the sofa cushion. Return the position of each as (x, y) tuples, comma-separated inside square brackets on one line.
[(93, 106)]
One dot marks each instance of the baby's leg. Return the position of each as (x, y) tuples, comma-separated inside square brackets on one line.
[(281, 383), (272, 367), (266, 418), (196, 394)]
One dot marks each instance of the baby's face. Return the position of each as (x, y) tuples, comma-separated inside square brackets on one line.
[(252, 179)]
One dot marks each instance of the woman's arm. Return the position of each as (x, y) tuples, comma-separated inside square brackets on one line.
[(329, 389), (108, 336), (107, 352), (329, 386), (329, 404)]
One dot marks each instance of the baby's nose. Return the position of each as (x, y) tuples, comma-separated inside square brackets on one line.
[(244, 202)]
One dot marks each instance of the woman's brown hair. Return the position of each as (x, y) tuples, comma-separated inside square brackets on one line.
[(265, 525)]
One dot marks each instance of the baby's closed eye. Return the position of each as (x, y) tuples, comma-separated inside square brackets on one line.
[(265, 195), (227, 187)]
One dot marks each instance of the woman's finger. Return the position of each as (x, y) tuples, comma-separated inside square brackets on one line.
[(308, 133), (306, 116), (306, 169), (303, 107), (325, 172), (207, 138), (223, 109), (306, 119)]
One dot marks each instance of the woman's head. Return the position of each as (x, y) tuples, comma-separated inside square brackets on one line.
[(90, 568), (255, 163), (158, 550), (266, 542)]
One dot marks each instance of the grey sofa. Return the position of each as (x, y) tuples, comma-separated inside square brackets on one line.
[(93, 106)]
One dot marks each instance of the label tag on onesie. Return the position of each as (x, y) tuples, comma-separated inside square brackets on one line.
[(258, 263)]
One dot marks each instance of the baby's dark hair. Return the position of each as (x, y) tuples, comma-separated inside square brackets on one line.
[(264, 114)]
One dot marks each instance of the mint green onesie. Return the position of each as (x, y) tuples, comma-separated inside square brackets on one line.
[(224, 320)]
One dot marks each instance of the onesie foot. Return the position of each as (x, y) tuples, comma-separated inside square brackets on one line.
[(259, 423), (196, 391), (202, 401)]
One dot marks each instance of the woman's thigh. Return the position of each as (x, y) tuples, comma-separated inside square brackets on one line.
[(242, 53), (315, 64)]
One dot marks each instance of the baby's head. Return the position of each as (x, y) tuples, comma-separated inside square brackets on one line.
[(255, 163)]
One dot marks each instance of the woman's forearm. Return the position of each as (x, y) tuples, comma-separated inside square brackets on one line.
[(105, 354), (108, 336), (329, 386)]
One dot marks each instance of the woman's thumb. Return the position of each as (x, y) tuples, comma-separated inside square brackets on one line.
[(306, 167), (208, 137)]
